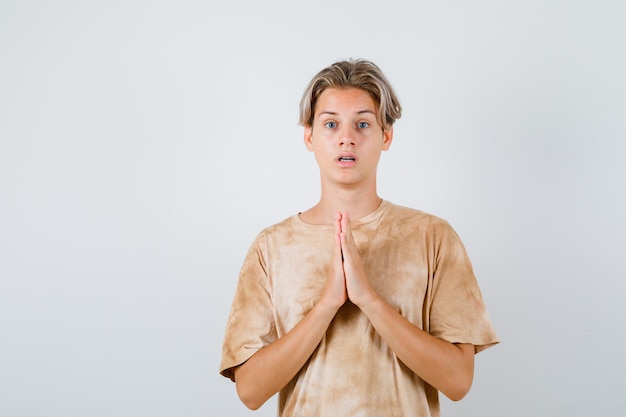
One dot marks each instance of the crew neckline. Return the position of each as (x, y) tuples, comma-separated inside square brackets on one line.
[(374, 215)]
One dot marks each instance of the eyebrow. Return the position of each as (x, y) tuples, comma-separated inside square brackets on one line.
[(332, 113)]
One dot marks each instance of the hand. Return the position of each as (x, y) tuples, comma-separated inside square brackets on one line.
[(335, 293), (358, 286)]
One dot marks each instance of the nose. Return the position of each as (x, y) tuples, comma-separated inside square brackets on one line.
[(347, 136)]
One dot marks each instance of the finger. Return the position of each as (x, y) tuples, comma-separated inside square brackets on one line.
[(345, 223), (338, 249), (338, 234), (346, 228)]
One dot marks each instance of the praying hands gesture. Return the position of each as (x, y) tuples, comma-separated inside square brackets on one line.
[(347, 277)]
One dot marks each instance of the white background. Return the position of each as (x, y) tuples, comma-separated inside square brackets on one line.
[(143, 145)]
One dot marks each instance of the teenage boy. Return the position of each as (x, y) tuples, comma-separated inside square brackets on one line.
[(357, 306)]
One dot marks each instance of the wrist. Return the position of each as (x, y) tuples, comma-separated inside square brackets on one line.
[(326, 308), (370, 303)]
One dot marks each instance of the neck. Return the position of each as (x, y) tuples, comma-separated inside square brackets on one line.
[(357, 202)]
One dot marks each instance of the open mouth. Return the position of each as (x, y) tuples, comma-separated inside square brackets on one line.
[(347, 159)]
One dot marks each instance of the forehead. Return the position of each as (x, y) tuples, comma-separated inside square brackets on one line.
[(345, 100)]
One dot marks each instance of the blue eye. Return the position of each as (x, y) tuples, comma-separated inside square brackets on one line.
[(330, 125), (363, 125)]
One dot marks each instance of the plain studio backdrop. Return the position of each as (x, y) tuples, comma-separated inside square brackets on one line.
[(144, 144)]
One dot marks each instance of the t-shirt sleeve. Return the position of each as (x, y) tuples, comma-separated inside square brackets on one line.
[(250, 325), (457, 310)]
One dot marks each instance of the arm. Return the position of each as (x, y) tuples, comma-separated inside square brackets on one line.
[(273, 366), (446, 366)]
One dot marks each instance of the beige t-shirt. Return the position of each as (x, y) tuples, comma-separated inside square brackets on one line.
[(414, 260)]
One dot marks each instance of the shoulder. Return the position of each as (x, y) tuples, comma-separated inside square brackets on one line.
[(283, 231), (413, 225), (414, 218), (281, 226)]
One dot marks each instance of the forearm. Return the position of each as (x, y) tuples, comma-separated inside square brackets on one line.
[(446, 366), (273, 366)]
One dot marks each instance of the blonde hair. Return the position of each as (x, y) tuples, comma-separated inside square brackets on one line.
[(356, 73)]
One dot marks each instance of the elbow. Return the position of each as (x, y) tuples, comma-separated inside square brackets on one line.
[(460, 381), (251, 403), (252, 391), (456, 395), (459, 390), (249, 391), (249, 397)]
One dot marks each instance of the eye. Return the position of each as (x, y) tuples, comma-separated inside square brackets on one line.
[(330, 125), (362, 125)]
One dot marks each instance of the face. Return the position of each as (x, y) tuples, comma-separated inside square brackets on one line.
[(346, 137)]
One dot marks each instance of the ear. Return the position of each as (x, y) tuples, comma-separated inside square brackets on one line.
[(387, 138), (308, 137)]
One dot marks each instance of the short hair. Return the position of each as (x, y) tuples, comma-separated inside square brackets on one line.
[(356, 73)]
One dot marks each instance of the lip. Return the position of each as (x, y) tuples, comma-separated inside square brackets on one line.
[(345, 163)]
